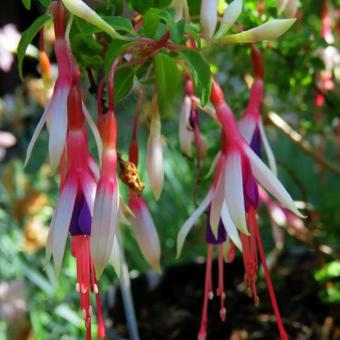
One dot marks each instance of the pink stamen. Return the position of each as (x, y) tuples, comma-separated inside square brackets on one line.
[(220, 290), (283, 334), (207, 292), (86, 282), (101, 324)]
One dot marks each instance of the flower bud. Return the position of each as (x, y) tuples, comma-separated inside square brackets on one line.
[(209, 17), (231, 14), (268, 31), (82, 10), (145, 231), (186, 135), (291, 8), (155, 164)]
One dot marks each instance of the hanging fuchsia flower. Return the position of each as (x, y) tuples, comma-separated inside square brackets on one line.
[(155, 162), (250, 124), (106, 207), (105, 216), (141, 219), (233, 199), (55, 114), (75, 207), (145, 231)]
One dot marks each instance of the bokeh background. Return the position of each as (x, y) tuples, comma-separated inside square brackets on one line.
[(302, 85)]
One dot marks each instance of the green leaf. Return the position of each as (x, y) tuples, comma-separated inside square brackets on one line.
[(120, 24), (200, 71), (27, 38), (45, 3), (142, 6), (114, 49), (123, 82), (27, 3), (167, 81)]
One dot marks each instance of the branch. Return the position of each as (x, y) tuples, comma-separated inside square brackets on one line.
[(295, 137)]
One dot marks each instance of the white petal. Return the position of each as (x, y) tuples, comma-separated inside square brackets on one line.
[(58, 126), (104, 224), (247, 126), (147, 236), (230, 227), (49, 242), (267, 179), (94, 130), (216, 204), (231, 14), (115, 257), (186, 137), (208, 17), (61, 222), (234, 191), (36, 133), (268, 149), (182, 234)]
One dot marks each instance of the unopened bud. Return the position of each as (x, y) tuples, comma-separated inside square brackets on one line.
[(155, 163), (291, 8), (231, 14), (83, 11), (186, 135), (209, 17), (269, 31)]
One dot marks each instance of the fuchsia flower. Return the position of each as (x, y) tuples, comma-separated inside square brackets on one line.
[(106, 207), (233, 199), (250, 124), (155, 161), (145, 231), (75, 207), (141, 219), (55, 114)]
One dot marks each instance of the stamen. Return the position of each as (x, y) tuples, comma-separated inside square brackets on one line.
[(283, 334), (207, 289), (77, 287), (220, 290)]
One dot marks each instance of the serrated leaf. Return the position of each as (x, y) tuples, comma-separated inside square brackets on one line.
[(200, 71), (167, 81), (27, 37)]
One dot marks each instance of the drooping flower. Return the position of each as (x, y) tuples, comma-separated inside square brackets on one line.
[(106, 207), (75, 208), (251, 124), (145, 231), (55, 114), (233, 198), (155, 161)]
